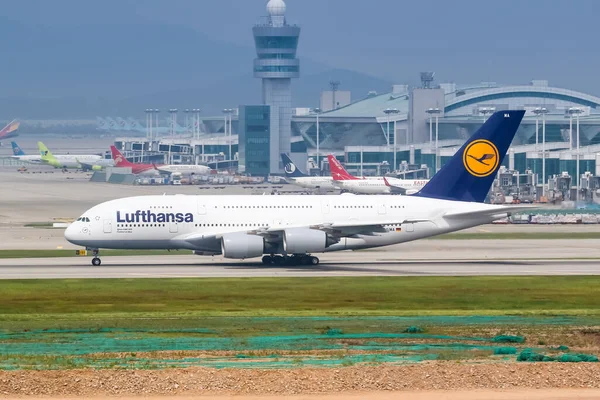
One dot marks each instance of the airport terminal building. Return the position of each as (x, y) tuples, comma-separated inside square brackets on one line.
[(363, 134), (448, 114)]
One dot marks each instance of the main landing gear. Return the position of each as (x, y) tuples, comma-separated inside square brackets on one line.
[(296, 259), (96, 260)]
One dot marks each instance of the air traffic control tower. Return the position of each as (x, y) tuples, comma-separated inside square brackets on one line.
[(276, 64)]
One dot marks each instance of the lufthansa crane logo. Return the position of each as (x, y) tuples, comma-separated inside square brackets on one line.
[(481, 158)]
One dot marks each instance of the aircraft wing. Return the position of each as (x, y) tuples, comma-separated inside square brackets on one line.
[(87, 166), (395, 188), (338, 229), (161, 171), (489, 212)]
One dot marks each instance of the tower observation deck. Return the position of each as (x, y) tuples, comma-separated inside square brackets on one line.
[(276, 64)]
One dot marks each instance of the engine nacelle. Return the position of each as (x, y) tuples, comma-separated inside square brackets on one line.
[(240, 245), (304, 240)]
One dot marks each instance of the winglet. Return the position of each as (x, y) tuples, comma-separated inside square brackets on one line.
[(469, 175)]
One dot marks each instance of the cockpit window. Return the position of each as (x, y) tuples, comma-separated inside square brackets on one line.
[(83, 219)]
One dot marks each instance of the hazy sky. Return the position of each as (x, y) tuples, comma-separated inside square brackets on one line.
[(464, 41)]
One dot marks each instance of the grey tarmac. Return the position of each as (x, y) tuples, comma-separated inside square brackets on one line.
[(341, 264)]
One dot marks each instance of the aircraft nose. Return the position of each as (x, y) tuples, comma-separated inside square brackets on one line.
[(71, 233)]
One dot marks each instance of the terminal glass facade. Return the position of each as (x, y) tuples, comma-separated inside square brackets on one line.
[(255, 140)]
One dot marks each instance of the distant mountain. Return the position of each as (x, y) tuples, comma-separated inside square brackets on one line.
[(245, 89), (88, 70), (111, 60)]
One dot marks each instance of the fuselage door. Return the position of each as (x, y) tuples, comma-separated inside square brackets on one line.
[(201, 207), (325, 207), (173, 227), (382, 209), (107, 226)]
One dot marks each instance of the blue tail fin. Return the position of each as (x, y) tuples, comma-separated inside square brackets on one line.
[(16, 149), (470, 173), (291, 171)]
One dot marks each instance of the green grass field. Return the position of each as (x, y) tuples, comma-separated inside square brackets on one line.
[(160, 298)]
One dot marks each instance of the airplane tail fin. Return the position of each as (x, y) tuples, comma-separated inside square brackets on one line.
[(101, 123), (44, 152), (469, 175), (338, 172), (290, 169), (17, 151), (112, 124), (12, 127), (120, 160), (134, 123)]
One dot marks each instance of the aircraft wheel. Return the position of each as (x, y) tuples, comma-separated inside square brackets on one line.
[(278, 260), (96, 261), (314, 260), (267, 260)]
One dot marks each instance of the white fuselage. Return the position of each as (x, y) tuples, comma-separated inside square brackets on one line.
[(75, 160), (29, 159), (185, 169), (376, 185), (314, 182), (199, 222)]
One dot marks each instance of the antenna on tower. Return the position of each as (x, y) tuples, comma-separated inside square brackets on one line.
[(334, 85), (426, 79)]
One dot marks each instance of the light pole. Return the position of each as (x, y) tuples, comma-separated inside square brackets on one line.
[(434, 111), (537, 111), (149, 123), (187, 126), (157, 111), (387, 112), (228, 112), (576, 111), (485, 111), (173, 112), (318, 111), (543, 111), (196, 112)]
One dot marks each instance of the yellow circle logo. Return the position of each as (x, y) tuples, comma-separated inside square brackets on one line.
[(481, 158)]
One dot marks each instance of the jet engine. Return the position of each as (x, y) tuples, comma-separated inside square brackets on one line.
[(304, 240), (241, 246)]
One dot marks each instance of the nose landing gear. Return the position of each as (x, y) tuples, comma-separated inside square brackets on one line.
[(96, 260)]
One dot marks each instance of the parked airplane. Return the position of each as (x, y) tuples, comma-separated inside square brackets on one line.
[(156, 169), (136, 125), (372, 185), (66, 161), (290, 228), (102, 124), (19, 154), (295, 176), (10, 130)]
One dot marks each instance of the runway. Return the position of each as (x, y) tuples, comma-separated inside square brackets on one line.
[(354, 264)]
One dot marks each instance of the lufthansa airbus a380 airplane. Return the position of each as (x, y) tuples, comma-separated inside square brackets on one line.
[(286, 229)]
